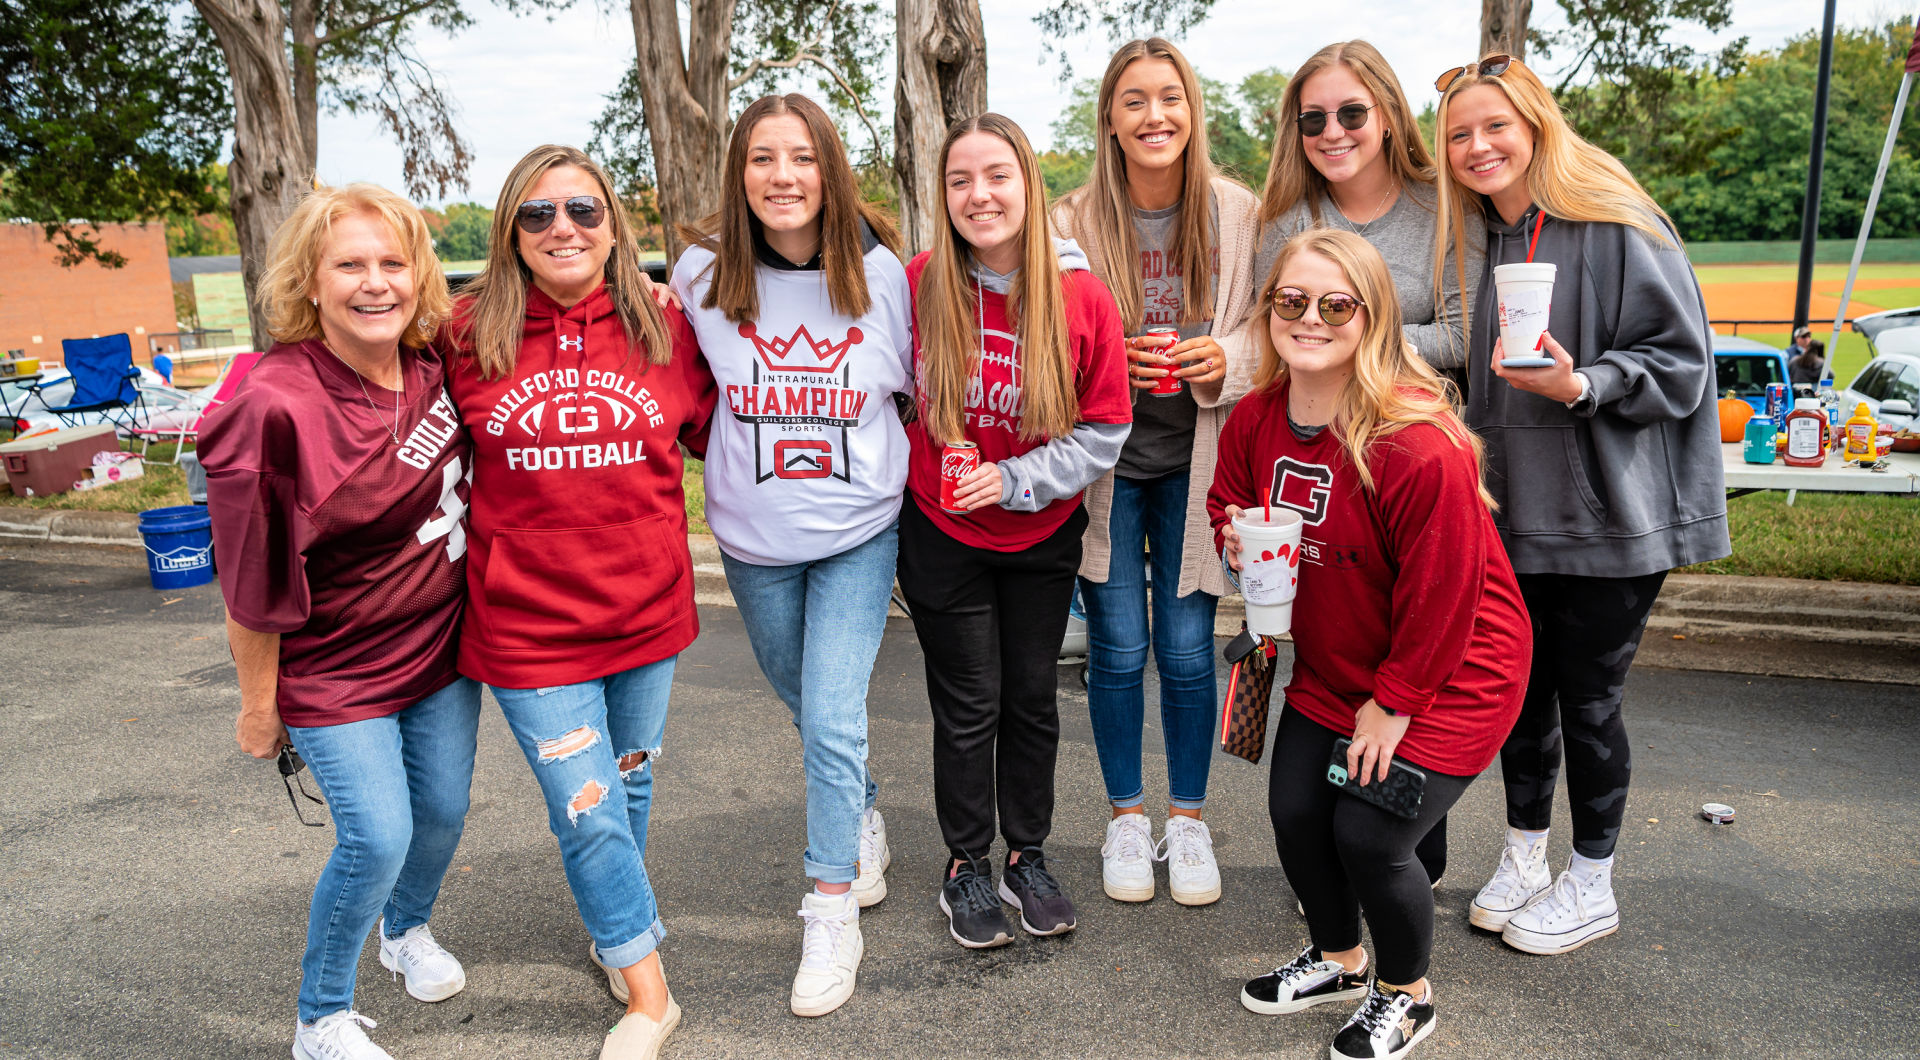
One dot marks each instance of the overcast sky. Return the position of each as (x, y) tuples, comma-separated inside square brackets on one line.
[(521, 82)]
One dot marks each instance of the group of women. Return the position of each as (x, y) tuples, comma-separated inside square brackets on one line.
[(414, 495)]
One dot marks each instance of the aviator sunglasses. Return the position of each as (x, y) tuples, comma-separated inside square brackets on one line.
[(1491, 66), (1290, 303), (536, 215), (1351, 116)]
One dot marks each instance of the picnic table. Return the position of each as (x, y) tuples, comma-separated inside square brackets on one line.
[(1902, 475)]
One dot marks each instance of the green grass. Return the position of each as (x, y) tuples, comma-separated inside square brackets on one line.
[(1861, 537), (1847, 363), (1824, 250), (694, 482), (162, 485)]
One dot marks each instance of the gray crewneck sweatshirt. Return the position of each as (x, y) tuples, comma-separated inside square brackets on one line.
[(1064, 466)]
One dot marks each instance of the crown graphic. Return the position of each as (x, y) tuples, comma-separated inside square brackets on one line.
[(800, 352)]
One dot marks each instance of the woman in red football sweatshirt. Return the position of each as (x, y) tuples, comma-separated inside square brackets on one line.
[(577, 390), (1018, 350), (1409, 632)]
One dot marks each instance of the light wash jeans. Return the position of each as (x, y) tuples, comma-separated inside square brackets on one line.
[(397, 788), (1150, 514), (815, 629), (592, 747)]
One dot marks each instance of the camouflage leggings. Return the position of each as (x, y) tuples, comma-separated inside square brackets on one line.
[(1585, 634)]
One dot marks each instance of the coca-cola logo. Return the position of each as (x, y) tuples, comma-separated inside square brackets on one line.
[(955, 465)]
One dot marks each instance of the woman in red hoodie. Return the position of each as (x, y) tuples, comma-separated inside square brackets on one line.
[(576, 389)]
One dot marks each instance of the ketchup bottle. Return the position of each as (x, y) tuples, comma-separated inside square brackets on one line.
[(1806, 434)]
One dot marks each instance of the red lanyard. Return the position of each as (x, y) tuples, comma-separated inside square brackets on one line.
[(1539, 219)]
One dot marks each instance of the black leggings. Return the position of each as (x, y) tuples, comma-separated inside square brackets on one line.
[(1585, 634), (1343, 856)]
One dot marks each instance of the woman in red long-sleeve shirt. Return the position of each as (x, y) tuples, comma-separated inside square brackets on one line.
[(1410, 635)]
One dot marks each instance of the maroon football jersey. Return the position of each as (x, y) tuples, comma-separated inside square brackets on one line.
[(350, 546)]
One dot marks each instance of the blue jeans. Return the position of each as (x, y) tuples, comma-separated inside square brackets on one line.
[(397, 788), (1150, 515), (815, 629), (590, 744)]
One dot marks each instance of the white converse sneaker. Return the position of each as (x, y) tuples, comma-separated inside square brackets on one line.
[(875, 856), (337, 1036), (1575, 912), (1126, 858), (1521, 877), (1187, 848), (432, 973), (829, 955)]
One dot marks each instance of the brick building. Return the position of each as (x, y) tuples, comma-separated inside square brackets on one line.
[(42, 303)]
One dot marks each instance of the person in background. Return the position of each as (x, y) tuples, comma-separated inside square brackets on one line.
[(1605, 465), (1801, 337), (795, 283), (578, 392), (1173, 241), (1018, 350), (1809, 366), (337, 483)]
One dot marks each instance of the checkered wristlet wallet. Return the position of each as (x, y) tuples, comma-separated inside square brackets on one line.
[(1243, 718)]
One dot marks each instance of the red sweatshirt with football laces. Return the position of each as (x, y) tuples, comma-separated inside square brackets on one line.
[(578, 566), (1406, 596)]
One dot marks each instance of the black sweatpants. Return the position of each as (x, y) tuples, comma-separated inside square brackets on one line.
[(1585, 634), (990, 625), (1344, 856)]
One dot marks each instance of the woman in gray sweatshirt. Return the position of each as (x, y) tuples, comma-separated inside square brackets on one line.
[(1605, 462)]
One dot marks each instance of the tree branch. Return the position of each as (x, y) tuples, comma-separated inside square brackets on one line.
[(337, 35)]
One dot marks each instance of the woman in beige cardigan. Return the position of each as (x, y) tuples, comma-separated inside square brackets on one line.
[(1174, 242)]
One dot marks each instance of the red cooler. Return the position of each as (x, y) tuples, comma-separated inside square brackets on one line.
[(52, 463)]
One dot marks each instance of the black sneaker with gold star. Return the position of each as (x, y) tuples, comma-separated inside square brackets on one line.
[(1387, 1026)]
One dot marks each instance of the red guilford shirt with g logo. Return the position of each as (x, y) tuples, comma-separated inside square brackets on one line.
[(353, 548), (1406, 595)]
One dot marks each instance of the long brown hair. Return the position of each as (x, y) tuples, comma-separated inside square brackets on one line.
[(729, 232), (1291, 177), (1103, 208), (1569, 178), (1391, 388), (495, 319), (948, 304)]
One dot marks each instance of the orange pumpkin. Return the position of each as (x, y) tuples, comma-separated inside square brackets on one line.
[(1734, 414)]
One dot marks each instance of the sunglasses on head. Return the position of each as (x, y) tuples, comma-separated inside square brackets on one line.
[(536, 215), (1491, 66), (1351, 116), (1290, 303)]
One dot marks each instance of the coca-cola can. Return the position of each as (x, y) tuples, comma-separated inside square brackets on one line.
[(957, 461), (1167, 385)]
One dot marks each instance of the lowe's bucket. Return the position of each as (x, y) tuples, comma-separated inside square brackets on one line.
[(179, 546)]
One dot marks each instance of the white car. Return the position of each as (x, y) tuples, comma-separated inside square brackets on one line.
[(1890, 384), (167, 408)]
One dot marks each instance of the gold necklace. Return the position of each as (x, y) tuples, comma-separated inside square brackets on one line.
[(1359, 228), (399, 404)]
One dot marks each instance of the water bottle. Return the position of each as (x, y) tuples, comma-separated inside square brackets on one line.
[(1830, 404)]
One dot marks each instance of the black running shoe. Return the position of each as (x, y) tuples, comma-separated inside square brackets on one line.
[(1302, 983), (973, 911), (1026, 885), (1387, 1027)]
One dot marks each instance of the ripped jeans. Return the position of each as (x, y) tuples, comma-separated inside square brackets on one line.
[(590, 744)]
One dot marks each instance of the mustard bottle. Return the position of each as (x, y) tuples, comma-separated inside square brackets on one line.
[(1859, 436)]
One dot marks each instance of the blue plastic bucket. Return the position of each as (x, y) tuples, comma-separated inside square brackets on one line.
[(179, 546)]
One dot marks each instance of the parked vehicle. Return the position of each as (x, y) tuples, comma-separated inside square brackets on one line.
[(1744, 367), (1892, 378), (168, 408)]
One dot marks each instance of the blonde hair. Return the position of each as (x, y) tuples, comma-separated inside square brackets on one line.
[(1291, 178), (1569, 178), (293, 258), (729, 231), (1391, 387), (496, 301), (1103, 207), (948, 302)]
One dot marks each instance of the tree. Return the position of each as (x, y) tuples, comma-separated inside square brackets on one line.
[(942, 77), (109, 112), (464, 236), (1503, 27), (193, 235), (1119, 20)]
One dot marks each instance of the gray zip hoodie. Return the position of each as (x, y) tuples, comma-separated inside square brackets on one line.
[(1627, 481)]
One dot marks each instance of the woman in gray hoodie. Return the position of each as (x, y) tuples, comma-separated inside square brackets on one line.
[(1603, 455)]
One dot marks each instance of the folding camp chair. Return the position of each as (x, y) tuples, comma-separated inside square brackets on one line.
[(104, 381), (218, 394)]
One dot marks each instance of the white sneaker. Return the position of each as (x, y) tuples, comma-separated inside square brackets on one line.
[(1521, 877), (829, 955), (336, 1036), (1187, 848), (1572, 914), (1126, 858), (432, 973), (875, 856)]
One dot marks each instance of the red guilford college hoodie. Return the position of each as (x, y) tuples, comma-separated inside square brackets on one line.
[(578, 565)]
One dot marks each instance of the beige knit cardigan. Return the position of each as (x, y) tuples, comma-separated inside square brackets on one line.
[(1233, 302)]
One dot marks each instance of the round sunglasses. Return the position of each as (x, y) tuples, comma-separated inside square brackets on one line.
[(1351, 116), (536, 215), (1290, 303), (1491, 66)]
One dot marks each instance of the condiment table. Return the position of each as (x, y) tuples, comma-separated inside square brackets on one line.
[(1902, 475)]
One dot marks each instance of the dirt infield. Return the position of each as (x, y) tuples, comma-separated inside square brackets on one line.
[(1765, 292)]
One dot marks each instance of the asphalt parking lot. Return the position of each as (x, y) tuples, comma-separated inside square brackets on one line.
[(154, 883)]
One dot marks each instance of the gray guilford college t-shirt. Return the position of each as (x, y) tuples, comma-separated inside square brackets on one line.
[(1162, 438)]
